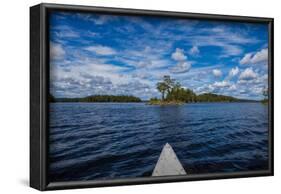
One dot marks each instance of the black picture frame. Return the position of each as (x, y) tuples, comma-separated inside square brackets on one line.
[(39, 86)]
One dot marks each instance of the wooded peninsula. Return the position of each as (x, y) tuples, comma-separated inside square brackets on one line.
[(97, 98)]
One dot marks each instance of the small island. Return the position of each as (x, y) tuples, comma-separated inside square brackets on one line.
[(173, 93)]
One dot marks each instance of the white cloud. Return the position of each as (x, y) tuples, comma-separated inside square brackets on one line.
[(217, 72), (88, 76), (65, 31), (260, 80), (97, 20), (183, 64), (231, 50), (248, 74), (260, 56), (221, 87), (102, 19), (101, 50), (226, 41), (149, 56), (194, 51), (254, 58), (67, 34), (246, 59), (178, 55), (233, 72), (181, 67), (57, 52), (222, 84), (233, 87), (258, 90)]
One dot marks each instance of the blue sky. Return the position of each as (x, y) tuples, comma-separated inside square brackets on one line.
[(94, 54)]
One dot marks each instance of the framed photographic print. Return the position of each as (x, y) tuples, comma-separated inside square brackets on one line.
[(124, 96)]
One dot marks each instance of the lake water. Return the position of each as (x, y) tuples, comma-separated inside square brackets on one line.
[(94, 141)]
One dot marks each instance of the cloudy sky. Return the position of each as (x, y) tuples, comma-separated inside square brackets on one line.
[(94, 54)]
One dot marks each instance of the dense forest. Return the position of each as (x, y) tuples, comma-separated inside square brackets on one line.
[(97, 98)]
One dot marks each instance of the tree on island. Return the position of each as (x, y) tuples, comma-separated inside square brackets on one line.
[(173, 93), (165, 86), (162, 88)]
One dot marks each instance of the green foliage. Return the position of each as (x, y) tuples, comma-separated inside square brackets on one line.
[(174, 91), (111, 98), (209, 97), (162, 88), (177, 94), (165, 86), (101, 98), (154, 100), (181, 94), (169, 82)]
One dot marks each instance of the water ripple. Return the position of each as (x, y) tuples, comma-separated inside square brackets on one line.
[(109, 140)]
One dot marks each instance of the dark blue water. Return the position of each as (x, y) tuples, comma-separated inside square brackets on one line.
[(93, 141)]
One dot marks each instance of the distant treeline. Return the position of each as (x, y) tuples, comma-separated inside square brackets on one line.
[(209, 97), (188, 96), (184, 95), (97, 98)]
